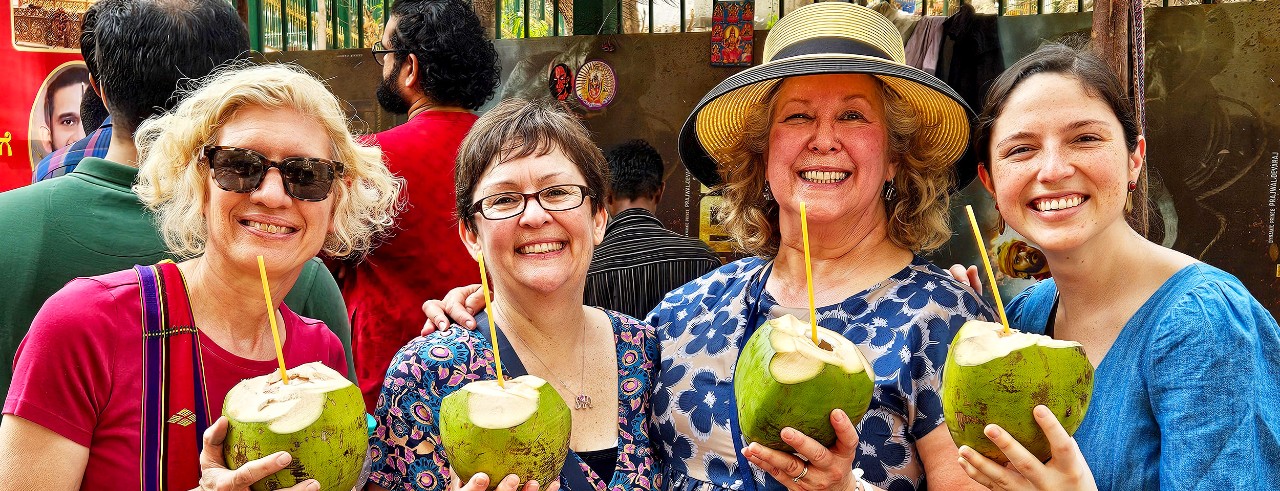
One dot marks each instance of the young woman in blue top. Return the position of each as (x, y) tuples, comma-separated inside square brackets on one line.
[(1188, 362)]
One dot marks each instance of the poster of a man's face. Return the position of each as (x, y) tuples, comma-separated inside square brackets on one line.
[(55, 116)]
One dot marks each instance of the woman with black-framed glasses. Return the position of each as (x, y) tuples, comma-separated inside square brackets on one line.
[(528, 178), (256, 164)]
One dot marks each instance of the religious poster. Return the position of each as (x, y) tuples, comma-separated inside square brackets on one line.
[(732, 33), (560, 82), (596, 85), (43, 85)]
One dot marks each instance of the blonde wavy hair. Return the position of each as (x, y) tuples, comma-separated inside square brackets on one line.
[(173, 179), (918, 218)]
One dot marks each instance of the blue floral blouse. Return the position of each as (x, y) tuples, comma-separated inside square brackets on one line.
[(405, 446), (904, 325)]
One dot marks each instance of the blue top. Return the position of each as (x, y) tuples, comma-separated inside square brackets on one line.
[(904, 326), (405, 446), (1188, 397)]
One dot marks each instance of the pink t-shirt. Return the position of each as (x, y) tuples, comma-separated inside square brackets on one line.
[(78, 372)]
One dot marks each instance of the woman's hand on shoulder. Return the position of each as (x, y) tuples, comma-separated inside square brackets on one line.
[(458, 306), (967, 276), (1066, 469), (214, 474), (821, 468)]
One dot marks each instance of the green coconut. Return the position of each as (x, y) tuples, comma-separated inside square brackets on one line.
[(318, 417), (993, 377), (783, 379), (522, 429)]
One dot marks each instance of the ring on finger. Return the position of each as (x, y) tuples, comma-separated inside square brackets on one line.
[(803, 472)]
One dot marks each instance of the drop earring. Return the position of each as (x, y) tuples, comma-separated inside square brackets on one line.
[(890, 191), (768, 193), (1128, 200)]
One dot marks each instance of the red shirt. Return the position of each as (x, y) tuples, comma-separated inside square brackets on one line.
[(423, 260), (78, 372)]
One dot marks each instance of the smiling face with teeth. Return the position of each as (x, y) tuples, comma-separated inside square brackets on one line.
[(829, 147), (539, 250), (1059, 166), (267, 221)]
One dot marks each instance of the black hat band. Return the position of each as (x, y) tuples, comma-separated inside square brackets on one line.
[(829, 45)]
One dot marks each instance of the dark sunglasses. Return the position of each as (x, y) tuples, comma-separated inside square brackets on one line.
[(241, 170)]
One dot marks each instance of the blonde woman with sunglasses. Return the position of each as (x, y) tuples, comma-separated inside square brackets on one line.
[(255, 162)]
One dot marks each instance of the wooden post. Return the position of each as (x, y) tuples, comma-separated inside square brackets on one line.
[(1111, 34)]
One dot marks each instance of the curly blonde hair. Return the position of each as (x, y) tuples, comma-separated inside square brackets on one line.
[(173, 181), (918, 219)]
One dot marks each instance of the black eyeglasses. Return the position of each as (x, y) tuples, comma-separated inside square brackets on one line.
[(241, 170), (379, 50), (561, 197)]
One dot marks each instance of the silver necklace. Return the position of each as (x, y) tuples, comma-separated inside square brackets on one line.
[(582, 400)]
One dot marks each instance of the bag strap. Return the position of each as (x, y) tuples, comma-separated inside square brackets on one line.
[(175, 411)]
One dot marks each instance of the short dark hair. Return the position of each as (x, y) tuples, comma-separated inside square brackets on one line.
[(458, 64), (519, 128), (92, 112), (635, 170), (1097, 79), (69, 77), (143, 48)]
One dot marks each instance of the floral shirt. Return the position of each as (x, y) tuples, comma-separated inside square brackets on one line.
[(904, 325), (405, 444)]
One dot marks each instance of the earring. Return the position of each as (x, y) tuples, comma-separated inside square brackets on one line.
[(1128, 201), (890, 191), (768, 193)]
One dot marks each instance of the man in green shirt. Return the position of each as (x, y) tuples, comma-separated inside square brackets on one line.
[(90, 222)]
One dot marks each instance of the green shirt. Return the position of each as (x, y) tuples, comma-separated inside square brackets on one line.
[(90, 222)]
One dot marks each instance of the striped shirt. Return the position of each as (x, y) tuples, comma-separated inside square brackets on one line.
[(65, 159), (639, 261)]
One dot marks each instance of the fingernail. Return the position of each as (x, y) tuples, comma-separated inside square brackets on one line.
[(283, 458), (841, 416), (992, 431), (313, 485), (963, 451), (788, 433)]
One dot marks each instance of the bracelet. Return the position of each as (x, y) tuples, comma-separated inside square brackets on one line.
[(857, 478)]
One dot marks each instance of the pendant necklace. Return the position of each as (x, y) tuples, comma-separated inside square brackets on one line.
[(582, 400)]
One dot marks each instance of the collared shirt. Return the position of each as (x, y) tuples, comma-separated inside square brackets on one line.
[(639, 261), (64, 160)]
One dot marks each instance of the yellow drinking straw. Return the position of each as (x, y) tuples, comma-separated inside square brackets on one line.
[(991, 276), (493, 331), (808, 270), (271, 314)]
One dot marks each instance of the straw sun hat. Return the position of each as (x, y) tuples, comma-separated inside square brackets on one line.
[(824, 38)]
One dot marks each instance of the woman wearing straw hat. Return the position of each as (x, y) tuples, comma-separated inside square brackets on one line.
[(1186, 383), (833, 118), (258, 162)]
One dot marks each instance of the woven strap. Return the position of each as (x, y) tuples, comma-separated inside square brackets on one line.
[(175, 409)]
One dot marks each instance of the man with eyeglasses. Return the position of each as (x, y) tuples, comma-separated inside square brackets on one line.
[(437, 66), (89, 222)]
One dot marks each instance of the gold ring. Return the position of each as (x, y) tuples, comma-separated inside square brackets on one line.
[(803, 472)]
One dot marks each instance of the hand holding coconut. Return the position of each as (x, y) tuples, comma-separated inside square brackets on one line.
[(214, 474), (818, 467), (1066, 469)]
